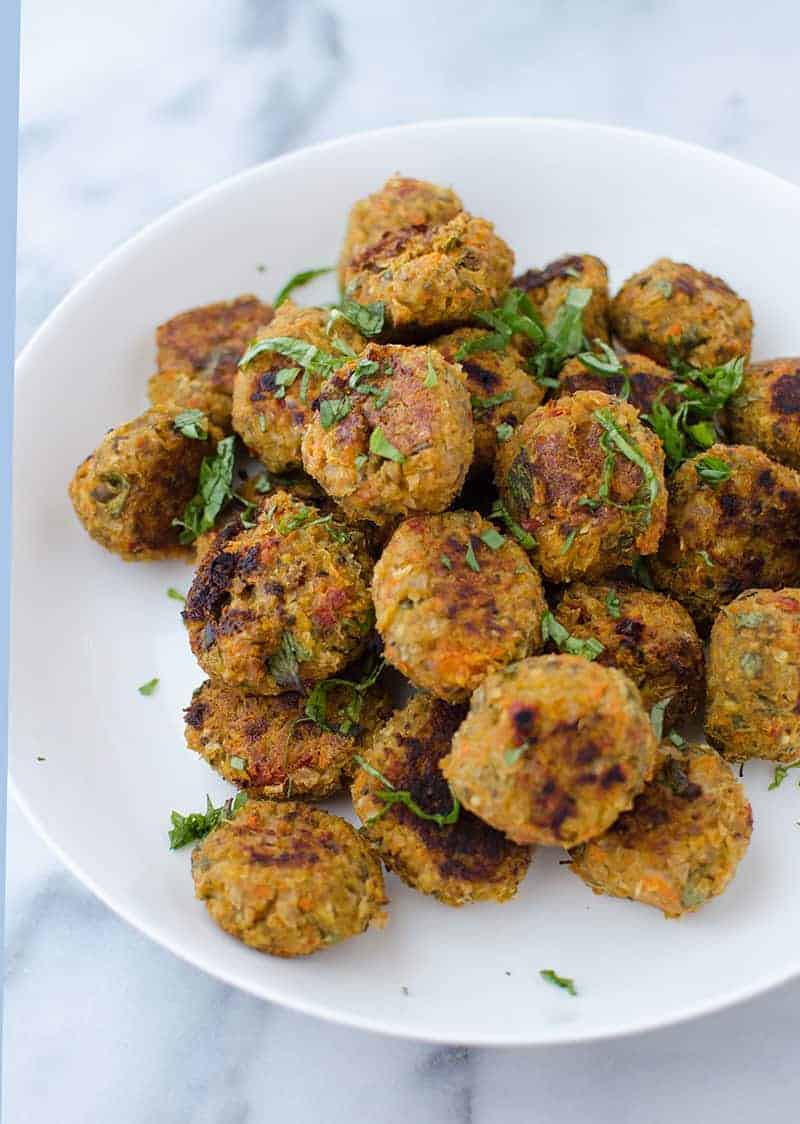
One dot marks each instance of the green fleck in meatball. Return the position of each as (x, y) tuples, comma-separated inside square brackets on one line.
[(548, 289), (553, 749), (461, 862), (673, 308), (681, 842), (454, 601), (725, 535), (754, 677), (765, 411), (288, 879), (281, 604), (586, 479), (640, 381)]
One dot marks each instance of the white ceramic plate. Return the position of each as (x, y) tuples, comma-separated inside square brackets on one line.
[(88, 629)]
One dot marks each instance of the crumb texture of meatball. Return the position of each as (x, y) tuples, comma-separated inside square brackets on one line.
[(585, 478), (137, 481), (432, 278), (754, 677), (281, 604), (765, 410), (454, 601), (552, 750), (269, 747), (682, 841), (461, 862), (645, 634), (641, 382), (548, 289), (177, 390), (673, 308), (725, 537), (391, 434), (289, 879)]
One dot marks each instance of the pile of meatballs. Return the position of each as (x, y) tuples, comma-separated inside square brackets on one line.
[(452, 479)]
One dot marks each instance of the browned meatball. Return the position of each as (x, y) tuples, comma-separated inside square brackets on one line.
[(548, 290), (765, 410)]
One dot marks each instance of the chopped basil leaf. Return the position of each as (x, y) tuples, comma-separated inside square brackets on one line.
[(613, 605), (175, 595), (564, 336), (368, 318), (471, 560), (149, 687), (702, 393), (263, 484), (361, 460), (504, 431), (484, 405), (657, 716), (312, 359), (213, 490), (379, 445), (664, 287), (431, 378), (552, 629), (564, 982), (284, 664), (500, 512), (512, 756), (192, 423), (712, 470), (614, 440), (493, 539), (349, 715), (568, 541), (296, 282), (780, 775), (677, 739), (332, 411), (186, 829), (641, 573), (608, 364), (391, 795), (706, 558), (237, 763), (445, 561)]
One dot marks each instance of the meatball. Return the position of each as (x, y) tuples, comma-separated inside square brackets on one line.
[(179, 390), (432, 278), (645, 634), (641, 382), (129, 491), (401, 204), (460, 862), (454, 601), (754, 677), (288, 879), (671, 308), (548, 290), (586, 479), (283, 603), (391, 433), (765, 410), (501, 390), (723, 537), (552, 750), (681, 842)]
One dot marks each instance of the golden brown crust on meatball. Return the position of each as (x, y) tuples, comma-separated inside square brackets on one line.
[(673, 307), (178, 390), (288, 879), (548, 290), (555, 470), (466, 861), (765, 410), (450, 607), (552, 750), (681, 842), (754, 677), (646, 381)]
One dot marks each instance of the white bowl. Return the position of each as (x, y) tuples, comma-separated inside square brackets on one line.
[(88, 629)]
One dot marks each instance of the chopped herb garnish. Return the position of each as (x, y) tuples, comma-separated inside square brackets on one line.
[(702, 392), (512, 756), (677, 739), (504, 431), (614, 440), (608, 364), (780, 775), (564, 982), (500, 512), (568, 541), (641, 573), (712, 470), (445, 561), (471, 560), (192, 423), (364, 369), (613, 605), (564, 337), (431, 378), (657, 716), (296, 282), (349, 715), (391, 795), (553, 630), (284, 378), (368, 318), (213, 490), (706, 558), (361, 460), (175, 595), (332, 411), (283, 665), (484, 405), (186, 829), (263, 484), (311, 359), (379, 445), (149, 687), (237, 763), (664, 287), (493, 539)]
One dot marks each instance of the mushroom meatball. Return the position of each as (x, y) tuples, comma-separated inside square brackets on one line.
[(548, 289), (282, 603), (640, 381), (288, 879), (733, 523), (131, 489), (401, 204), (645, 634), (754, 677), (458, 862), (501, 390), (391, 433), (586, 479), (432, 278), (273, 391), (454, 601), (681, 842), (553, 749), (765, 410), (671, 308)]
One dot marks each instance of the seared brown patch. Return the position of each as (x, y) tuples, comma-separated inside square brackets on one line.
[(785, 394), (210, 340), (536, 278), (209, 592)]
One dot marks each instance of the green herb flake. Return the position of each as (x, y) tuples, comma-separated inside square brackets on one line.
[(512, 756), (613, 605), (149, 687), (677, 739), (780, 775), (664, 287), (504, 432), (379, 445), (431, 378), (493, 539), (445, 561), (712, 470), (192, 423), (305, 355), (213, 490), (657, 716), (552, 629), (563, 982), (332, 411), (296, 282), (605, 361), (484, 405), (501, 514), (196, 825), (361, 460), (391, 795), (568, 541), (705, 557), (349, 715), (237, 763), (174, 595), (284, 664), (471, 560), (367, 318), (701, 393), (263, 484)]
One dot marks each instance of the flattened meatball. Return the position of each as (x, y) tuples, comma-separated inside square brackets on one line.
[(552, 750), (642, 382), (288, 879), (671, 306), (454, 601), (765, 410), (681, 842), (548, 290)]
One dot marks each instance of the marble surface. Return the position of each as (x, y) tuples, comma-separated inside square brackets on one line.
[(129, 109)]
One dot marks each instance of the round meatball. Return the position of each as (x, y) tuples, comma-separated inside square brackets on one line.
[(391, 433), (642, 382), (586, 479), (288, 879), (548, 290), (671, 308), (432, 278), (270, 746), (129, 491), (454, 601), (754, 677), (552, 750), (271, 414), (501, 390), (765, 410), (401, 204), (645, 634), (283, 603), (723, 537), (178, 390), (460, 862), (681, 842)]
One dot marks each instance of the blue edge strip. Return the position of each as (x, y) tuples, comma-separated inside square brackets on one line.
[(9, 125)]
